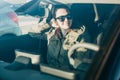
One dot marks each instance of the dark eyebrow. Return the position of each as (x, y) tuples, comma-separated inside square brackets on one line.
[(64, 15)]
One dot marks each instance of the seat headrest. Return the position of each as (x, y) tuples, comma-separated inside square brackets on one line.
[(82, 13)]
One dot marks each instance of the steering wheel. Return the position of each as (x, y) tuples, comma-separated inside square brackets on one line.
[(82, 45)]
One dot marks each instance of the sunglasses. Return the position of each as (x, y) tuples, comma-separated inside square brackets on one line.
[(62, 18)]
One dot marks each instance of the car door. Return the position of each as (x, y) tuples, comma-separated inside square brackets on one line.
[(106, 63)]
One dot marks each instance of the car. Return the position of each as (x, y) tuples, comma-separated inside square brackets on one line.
[(27, 17), (22, 60), (8, 21), (25, 21)]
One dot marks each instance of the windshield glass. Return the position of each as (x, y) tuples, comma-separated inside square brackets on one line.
[(68, 35)]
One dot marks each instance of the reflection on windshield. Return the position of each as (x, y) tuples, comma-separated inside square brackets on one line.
[(60, 40)]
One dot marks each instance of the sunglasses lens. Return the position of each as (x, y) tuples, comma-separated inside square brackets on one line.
[(62, 18)]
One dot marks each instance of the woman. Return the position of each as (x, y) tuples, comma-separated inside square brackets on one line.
[(63, 37), (55, 48)]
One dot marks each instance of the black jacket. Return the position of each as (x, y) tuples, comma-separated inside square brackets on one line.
[(57, 55)]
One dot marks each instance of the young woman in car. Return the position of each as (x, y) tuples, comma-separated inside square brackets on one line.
[(62, 38)]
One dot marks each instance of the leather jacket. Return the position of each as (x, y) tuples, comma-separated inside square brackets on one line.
[(57, 55)]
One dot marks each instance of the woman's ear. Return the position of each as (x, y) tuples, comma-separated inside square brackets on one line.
[(54, 23)]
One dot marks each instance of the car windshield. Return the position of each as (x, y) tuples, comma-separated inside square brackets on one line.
[(65, 38)]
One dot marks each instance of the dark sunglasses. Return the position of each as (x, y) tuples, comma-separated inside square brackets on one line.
[(62, 18)]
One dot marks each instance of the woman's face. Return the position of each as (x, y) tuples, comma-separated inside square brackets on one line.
[(63, 18)]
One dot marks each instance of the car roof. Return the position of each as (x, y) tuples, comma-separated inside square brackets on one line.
[(90, 1)]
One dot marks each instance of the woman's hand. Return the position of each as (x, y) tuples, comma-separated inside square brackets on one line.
[(54, 23)]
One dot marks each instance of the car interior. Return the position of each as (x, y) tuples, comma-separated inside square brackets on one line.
[(26, 61)]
